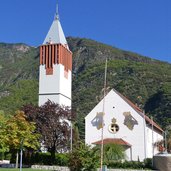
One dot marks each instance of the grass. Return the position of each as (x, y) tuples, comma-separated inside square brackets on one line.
[(29, 169)]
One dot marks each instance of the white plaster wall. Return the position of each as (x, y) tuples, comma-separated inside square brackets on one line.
[(54, 98), (152, 137), (115, 106), (65, 83), (55, 83)]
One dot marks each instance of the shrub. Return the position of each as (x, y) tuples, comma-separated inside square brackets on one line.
[(61, 159), (41, 158), (125, 164), (148, 163), (7, 156), (83, 158)]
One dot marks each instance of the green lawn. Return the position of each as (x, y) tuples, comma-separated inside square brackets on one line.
[(8, 169)]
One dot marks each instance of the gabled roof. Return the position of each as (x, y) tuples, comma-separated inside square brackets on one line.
[(56, 34), (137, 109), (118, 141)]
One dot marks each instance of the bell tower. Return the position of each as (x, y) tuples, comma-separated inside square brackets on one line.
[(55, 68)]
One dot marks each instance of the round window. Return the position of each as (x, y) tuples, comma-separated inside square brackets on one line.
[(113, 128)]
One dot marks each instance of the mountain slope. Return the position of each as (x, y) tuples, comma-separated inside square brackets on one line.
[(17, 61), (143, 80)]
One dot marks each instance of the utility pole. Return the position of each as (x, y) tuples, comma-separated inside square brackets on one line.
[(102, 149)]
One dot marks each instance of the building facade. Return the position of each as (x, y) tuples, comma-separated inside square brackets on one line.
[(55, 69), (124, 124)]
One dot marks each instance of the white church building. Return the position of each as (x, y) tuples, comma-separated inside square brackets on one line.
[(124, 124)]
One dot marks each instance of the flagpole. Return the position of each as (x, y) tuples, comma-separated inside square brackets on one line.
[(102, 149)]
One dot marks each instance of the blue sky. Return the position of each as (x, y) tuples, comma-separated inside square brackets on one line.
[(141, 26)]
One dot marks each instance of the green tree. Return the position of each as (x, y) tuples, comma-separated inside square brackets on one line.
[(83, 157), (21, 132), (3, 136), (53, 123)]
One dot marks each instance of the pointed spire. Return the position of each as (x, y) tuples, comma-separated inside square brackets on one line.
[(57, 12), (56, 34)]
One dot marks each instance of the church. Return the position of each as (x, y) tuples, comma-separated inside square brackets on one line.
[(124, 124), (55, 68)]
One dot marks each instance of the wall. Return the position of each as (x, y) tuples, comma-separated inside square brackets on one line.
[(152, 136), (115, 107), (55, 168), (51, 85)]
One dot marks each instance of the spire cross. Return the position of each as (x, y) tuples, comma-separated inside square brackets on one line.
[(57, 12)]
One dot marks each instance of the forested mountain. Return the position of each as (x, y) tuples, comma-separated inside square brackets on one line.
[(145, 81)]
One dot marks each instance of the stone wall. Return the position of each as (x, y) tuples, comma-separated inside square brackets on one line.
[(4, 161), (55, 168), (58, 168), (7, 165)]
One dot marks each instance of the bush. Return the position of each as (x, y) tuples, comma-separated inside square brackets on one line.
[(148, 163), (83, 158), (1, 155), (126, 165), (61, 159), (41, 158), (7, 156)]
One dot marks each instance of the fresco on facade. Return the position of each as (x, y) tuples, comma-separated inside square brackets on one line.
[(98, 120), (129, 120)]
